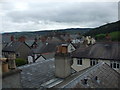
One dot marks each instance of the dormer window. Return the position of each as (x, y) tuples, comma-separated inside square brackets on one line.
[(79, 61)]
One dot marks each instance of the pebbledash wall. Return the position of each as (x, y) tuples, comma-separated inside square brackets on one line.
[(86, 64)]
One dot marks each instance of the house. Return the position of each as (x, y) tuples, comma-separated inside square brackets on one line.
[(20, 49), (70, 47), (31, 59), (47, 50), (90, 40), (108, 52)]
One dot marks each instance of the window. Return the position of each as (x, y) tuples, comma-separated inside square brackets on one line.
[(115, 64), (17, 54), (118, 65), (93, 62), (79, 62)]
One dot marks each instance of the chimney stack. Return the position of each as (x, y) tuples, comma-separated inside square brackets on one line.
[(12, 38), (11, 61), (4, 64), (22, 39), (35, 39), (62, 62)]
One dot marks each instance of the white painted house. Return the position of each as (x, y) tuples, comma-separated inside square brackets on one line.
[(90, 40), (71, 48), (40, 58), (108, 52)]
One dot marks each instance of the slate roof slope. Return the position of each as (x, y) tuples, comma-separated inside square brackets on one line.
[(47, 48), (107, 78), (6, 38), (33, 75), (38, 49), (50, 47), (105, 50), (29, 42), (12, 46)]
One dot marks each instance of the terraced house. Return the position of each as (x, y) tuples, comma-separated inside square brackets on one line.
[(108, 52)]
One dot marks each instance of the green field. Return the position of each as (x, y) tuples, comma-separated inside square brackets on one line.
[(115, 36)]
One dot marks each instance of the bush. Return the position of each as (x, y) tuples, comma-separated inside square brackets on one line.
[(20, 62), (100, 36), (115, 36)]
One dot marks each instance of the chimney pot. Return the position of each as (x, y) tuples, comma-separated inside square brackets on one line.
[(62, 49)]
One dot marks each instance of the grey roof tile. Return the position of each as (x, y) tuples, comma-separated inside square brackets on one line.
[(103, 50), (35, 74), (108, 78), (12, 46)]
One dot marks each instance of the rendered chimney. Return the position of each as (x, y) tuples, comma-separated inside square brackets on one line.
[(62, 62), (11, 61), (4, 64)]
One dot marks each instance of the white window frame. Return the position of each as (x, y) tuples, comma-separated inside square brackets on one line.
[(116, 63), (93, 62), (79, 62)]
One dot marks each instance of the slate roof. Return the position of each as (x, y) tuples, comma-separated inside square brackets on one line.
[(6, 38), (55, 39), (39, 46), (50, 47), (29, 42), (4, 45), (101, 50), (33, 75), (107, 78), (12, 46), (78, 45), (47, 48)]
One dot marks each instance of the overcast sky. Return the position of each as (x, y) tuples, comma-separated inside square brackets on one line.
[(50, 15)]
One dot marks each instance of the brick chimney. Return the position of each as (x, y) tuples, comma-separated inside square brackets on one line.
[(62, 62), (22, 39), (12, 38), (35, 39), (108, 37)]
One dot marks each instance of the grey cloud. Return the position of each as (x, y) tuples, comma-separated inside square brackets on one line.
[(83, 14), (80, 12)]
